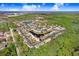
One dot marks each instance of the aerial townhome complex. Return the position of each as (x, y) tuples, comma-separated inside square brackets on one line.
[(38, 32)]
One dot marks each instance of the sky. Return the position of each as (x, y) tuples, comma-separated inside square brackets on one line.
[(39, 6)]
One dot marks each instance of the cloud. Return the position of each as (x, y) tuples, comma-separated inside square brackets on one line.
[(28, 8), (60, 4), (31, 8), (39, 6), (4, 8), (56, 7), (24, 8), (43, 4), (2, 5), (34, 6)]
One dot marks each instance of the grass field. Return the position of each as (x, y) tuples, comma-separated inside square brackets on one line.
[(65, 45)]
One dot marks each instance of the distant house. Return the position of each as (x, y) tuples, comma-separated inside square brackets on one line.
[(2, 15), (3, 42), (2, 36), (3, 45)]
